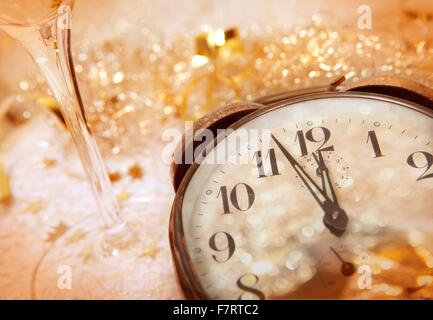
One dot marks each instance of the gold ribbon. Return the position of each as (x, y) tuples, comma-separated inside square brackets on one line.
[(220, 47)]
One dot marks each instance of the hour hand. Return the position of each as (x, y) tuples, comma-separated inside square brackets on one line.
[(324, 174), (334, 215)]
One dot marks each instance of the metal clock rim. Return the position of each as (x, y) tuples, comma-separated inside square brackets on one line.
[(187, 278)]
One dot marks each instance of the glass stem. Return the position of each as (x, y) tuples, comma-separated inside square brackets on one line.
[(50, 48)]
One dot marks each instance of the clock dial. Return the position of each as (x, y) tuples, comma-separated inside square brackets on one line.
[(336, 203)]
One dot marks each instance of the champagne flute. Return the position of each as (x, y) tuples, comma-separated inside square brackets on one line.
[(43, 27)]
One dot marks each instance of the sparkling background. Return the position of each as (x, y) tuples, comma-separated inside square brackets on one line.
[(135, 62)]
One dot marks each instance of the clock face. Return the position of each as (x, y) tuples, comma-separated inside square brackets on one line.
[(329, 197)]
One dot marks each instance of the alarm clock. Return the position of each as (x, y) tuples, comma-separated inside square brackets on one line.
[(323, 193)]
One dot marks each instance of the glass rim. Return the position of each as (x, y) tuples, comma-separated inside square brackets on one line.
[(51, 16)]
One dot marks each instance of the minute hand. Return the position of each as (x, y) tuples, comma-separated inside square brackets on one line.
[(335, 219)]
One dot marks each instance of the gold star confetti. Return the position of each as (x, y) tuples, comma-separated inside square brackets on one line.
[(57, 232), (34, 206), (48, 163), (86, 252), (115, 176), (135, 172), (75, 175), (122, 196), (149, 250), (78, 235)]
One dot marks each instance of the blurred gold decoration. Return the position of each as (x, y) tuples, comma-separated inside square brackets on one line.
[(114, 176), (87, 252), (78, 235), (48, 163), (211, 44), (5, 191), (56, 3), (149, 250), (135, 172), (406, 270), (123, 195), (419, 18), (56, 232), (219, 47), (34, 206), (51, 104), (425, 255), (127, 85)]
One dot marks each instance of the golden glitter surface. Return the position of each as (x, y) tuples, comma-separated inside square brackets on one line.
[(161, 81)]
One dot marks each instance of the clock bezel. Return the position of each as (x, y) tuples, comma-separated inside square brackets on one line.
[(187, 279)]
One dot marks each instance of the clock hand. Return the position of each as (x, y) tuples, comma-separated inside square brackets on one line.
[(335, 219), (326, 181), (347, 268), (327, 187)]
